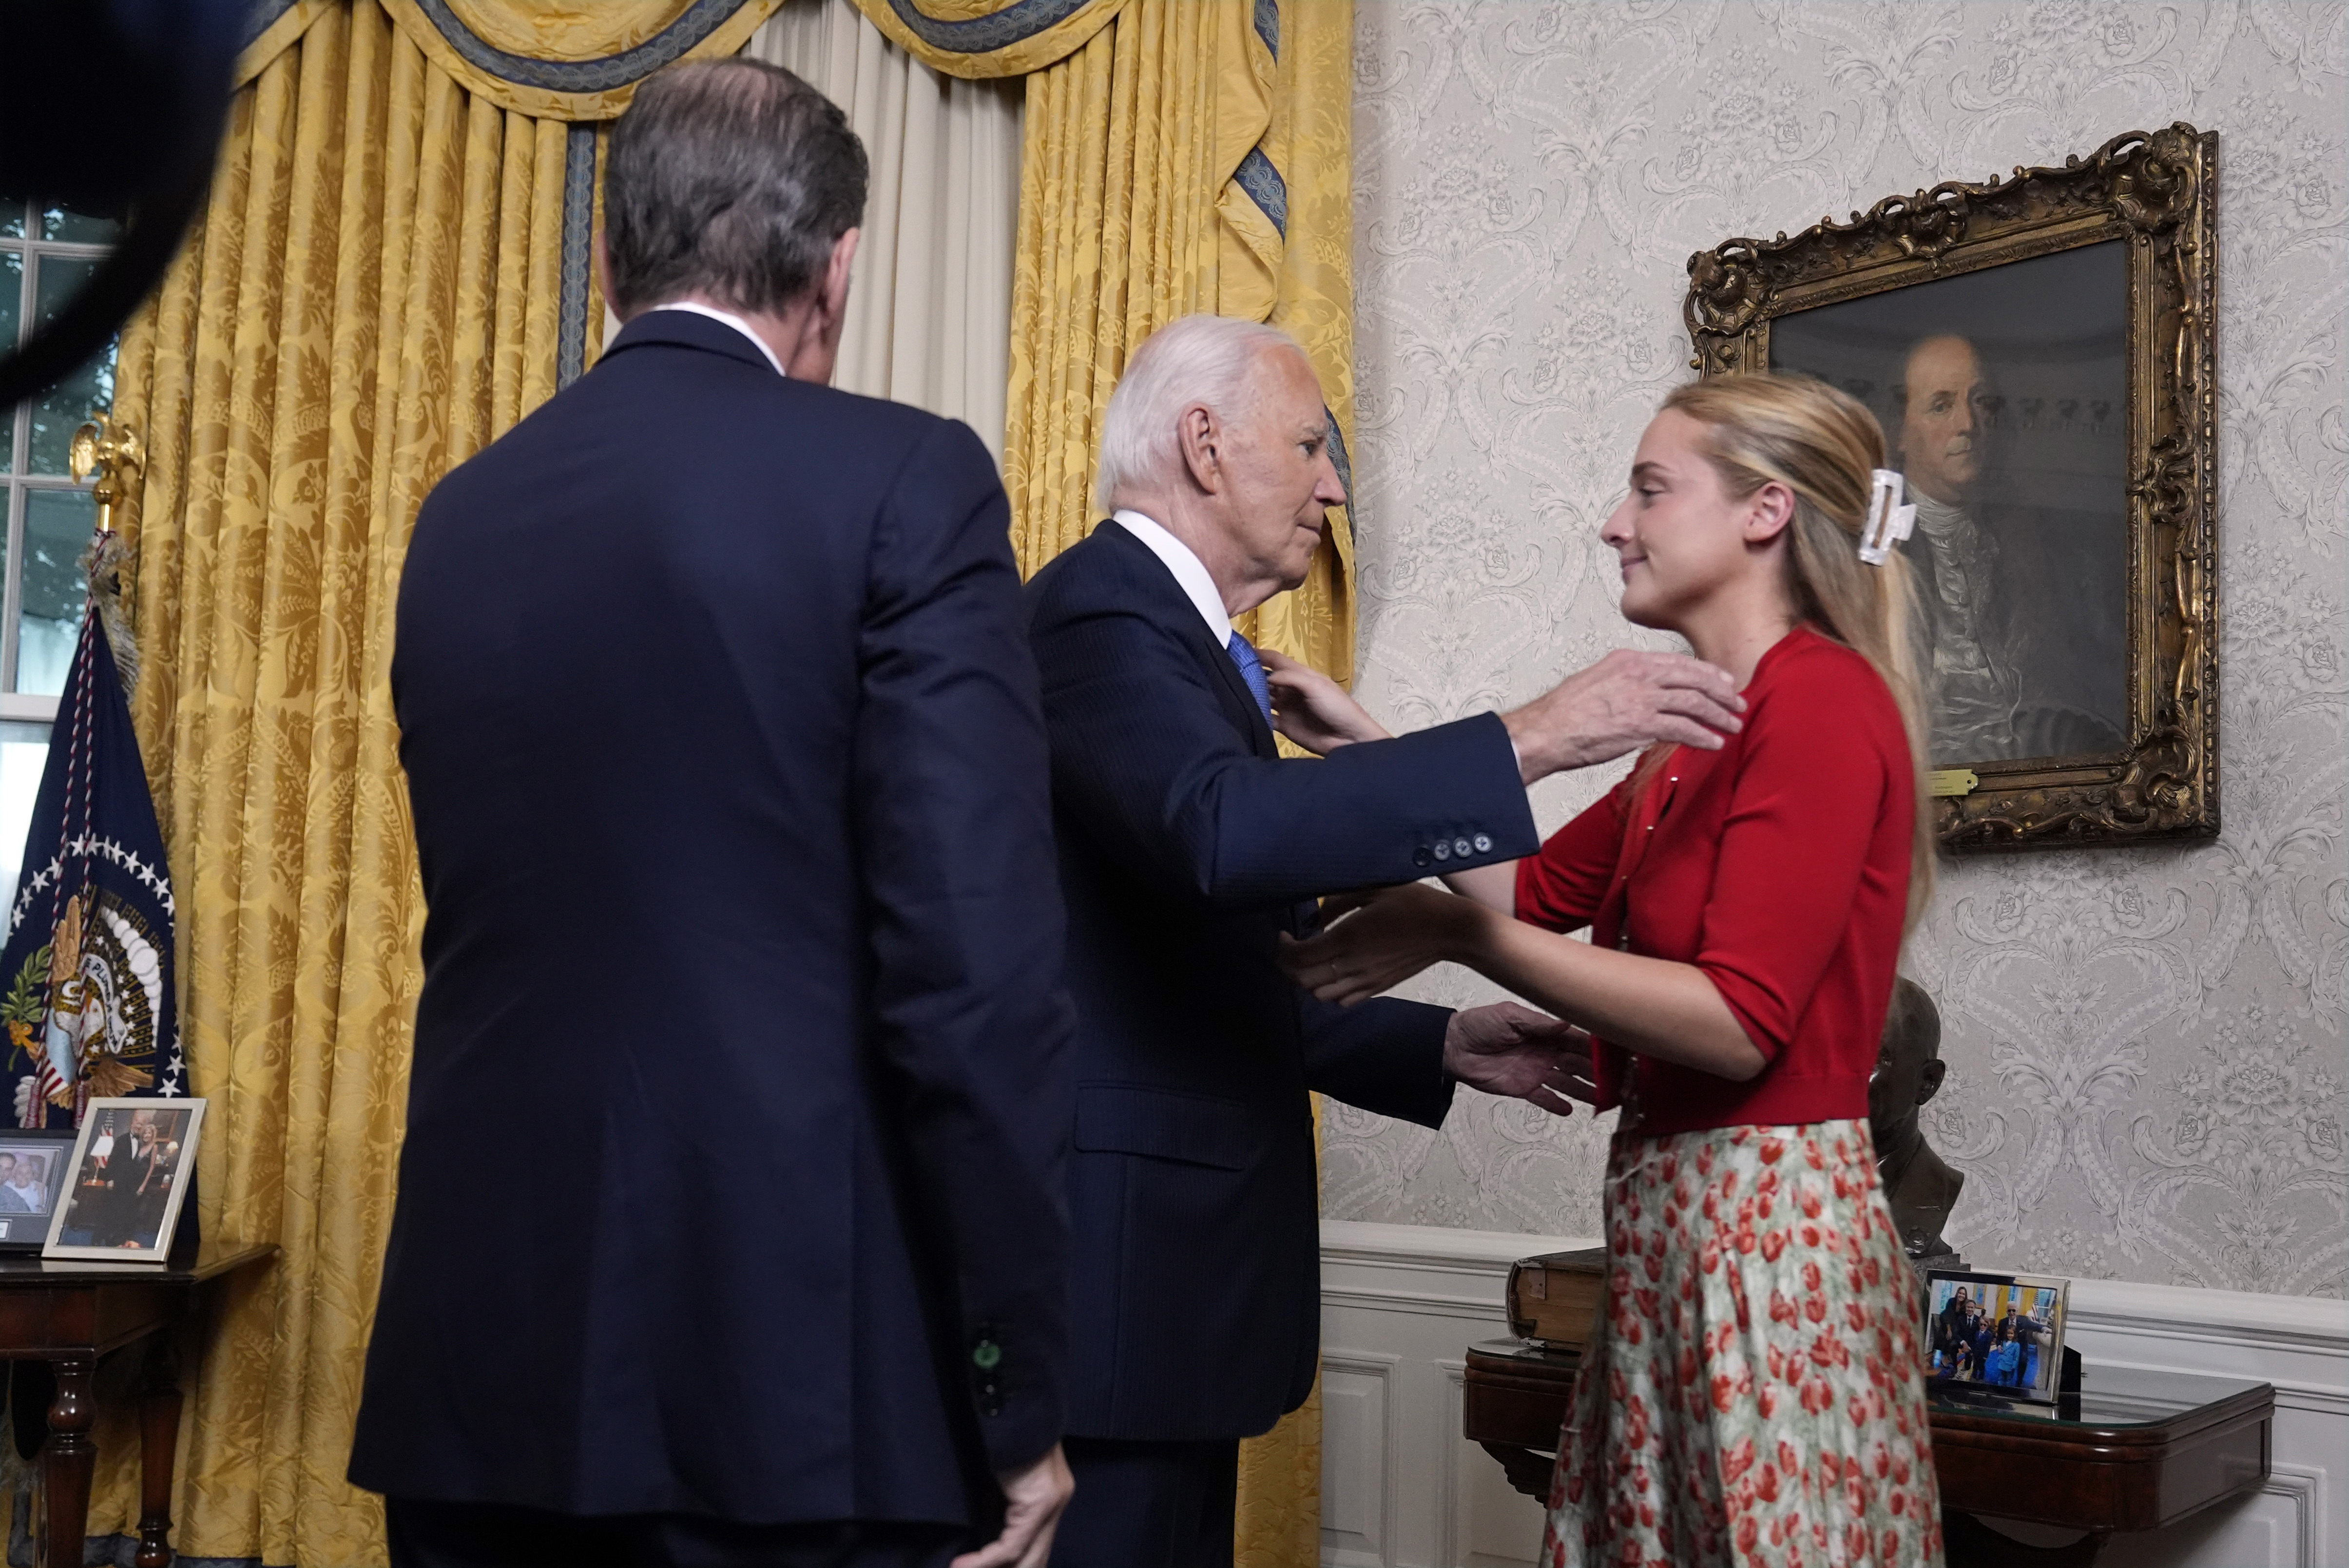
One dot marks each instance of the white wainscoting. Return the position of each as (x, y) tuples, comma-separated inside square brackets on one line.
[(1402, 1488)]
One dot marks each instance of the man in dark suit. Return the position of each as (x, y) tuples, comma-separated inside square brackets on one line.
[(1187, 848), (730, 795)]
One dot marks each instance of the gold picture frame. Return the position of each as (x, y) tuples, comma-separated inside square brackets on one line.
[(2090, 559)]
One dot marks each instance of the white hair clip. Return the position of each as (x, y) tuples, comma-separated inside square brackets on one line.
[(1887, 520)]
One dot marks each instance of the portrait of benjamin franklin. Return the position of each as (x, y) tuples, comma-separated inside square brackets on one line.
[(2004, 395)]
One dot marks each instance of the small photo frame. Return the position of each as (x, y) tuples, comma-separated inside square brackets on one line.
[(33, 1162), (131, 1162), (1995, 1333)]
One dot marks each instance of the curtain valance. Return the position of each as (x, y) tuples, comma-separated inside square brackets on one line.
[(991, 38), (550, 60)]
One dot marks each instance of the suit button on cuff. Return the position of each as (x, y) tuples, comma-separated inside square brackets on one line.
[(1444, 852), (1420, 856), (1460, 848), (1483, 843)]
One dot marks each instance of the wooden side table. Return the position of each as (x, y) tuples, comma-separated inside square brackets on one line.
[(2136, 1451), (63, 1315)]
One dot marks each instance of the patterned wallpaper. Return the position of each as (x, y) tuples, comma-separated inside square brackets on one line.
[(2147, 1045)]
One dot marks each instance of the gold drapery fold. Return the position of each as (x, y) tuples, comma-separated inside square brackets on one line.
[(989, 37), (370, 296)]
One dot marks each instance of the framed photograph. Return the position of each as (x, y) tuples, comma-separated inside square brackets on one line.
[(2039, 352), (1998, 1333), (32, 1166), (125, 1180)]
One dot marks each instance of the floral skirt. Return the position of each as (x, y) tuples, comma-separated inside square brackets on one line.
[(1754, 1393)]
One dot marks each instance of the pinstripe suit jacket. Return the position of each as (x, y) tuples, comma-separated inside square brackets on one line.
[(1186, 846)]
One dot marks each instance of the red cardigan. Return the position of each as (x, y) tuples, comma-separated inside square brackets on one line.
[(1779, 866)]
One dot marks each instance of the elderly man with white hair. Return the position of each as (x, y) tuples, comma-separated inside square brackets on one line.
[(1188, 848)]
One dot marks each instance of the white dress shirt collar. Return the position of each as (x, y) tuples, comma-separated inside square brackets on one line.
[(1189, 574), (736, 321)]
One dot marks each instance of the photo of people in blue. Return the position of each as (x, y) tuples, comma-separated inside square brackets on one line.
[(1995, 1332)]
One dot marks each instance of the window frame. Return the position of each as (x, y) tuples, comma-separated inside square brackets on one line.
[(18, 482)]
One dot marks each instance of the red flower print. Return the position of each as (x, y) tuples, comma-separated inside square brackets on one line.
[(1772, 1245), (1772, 1147), (1811, 1277)]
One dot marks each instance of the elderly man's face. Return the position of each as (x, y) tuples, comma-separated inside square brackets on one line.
[(1278, 471), (1940, 452)]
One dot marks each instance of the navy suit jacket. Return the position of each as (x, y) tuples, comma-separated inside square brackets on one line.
[(731, 793), (1187, 845)]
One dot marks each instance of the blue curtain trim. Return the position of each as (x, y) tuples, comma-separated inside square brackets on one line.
[(665, 48), (985, 35), (259, 17), (1266, 187), (578, 248), (1267, 24)]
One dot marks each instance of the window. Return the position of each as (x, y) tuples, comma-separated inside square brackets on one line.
[(47, 254)]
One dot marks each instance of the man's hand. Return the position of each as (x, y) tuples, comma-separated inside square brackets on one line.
[(1033, 1500), (1621, 702), (1313, 710), (1506, 1049)]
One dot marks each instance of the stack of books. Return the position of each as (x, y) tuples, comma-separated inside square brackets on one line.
[(1554, 1299)]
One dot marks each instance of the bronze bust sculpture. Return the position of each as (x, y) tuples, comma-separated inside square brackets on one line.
[(1920, 1189)]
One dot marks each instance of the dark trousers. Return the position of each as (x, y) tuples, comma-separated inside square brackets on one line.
[(491, 1535), (1149, 1505)]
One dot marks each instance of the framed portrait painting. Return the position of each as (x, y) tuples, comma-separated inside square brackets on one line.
[(2038, 350), (125, 1180)]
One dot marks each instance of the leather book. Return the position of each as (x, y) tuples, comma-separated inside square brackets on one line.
[(1555, 1298)]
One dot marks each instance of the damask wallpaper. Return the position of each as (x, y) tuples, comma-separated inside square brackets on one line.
[(2145, 1047)]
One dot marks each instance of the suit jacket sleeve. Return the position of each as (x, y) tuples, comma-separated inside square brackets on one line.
[(1147, 762), (967, 929), (1385, 1056)]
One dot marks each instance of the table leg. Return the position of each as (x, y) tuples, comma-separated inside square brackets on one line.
[(1529, 1469), (66, 1460), (158, 1444)]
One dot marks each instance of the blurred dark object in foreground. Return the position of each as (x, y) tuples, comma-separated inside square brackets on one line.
[(110, 107)]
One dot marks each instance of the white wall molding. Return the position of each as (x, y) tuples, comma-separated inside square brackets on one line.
[(1401, 1303)]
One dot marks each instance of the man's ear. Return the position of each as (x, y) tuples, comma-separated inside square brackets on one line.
[(1201, 437), (601, 258), (1929, 1079), (836, 275), (1769, 511)]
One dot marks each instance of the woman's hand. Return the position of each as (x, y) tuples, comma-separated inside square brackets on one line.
[(1313, 710), (1377, 940)]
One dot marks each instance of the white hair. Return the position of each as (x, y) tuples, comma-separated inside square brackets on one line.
[(1202, 359)]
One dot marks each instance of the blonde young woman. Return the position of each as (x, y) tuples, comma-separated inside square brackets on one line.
[(1755, 1394)]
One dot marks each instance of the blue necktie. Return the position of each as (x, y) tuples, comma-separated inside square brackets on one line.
[(1252, 672)]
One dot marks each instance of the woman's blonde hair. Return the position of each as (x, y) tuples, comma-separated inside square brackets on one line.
[(1824, 446)]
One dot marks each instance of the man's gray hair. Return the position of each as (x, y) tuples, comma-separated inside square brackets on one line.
[(732, 179), (1204, 359)]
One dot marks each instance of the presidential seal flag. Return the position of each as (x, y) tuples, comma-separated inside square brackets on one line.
[(85, 975)]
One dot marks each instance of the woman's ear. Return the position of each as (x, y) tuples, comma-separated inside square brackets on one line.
[(1768, 513)]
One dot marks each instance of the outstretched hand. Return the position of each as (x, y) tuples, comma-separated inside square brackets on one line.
[(1313, 710), (1623, 702), (1510, 1050), (1034, 1498), (1381, 939)]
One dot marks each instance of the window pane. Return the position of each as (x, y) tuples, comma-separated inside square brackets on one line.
[(57, 223), (57, 526), (12, 218), (24, 752), (63, 407)]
